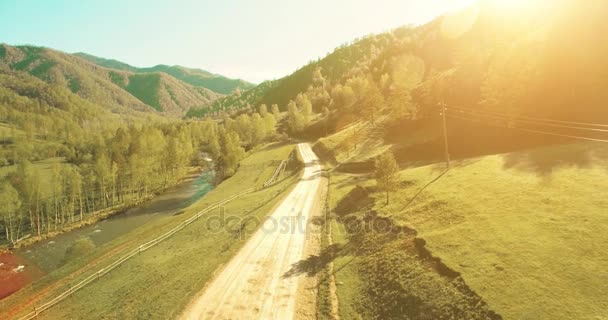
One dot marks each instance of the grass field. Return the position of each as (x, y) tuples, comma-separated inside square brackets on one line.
[(348, 279), (526, 231), (161, 281)]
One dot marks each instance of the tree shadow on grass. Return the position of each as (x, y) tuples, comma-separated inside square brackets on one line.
[(353, 180), (544, 161), (275, 145), (314, 264)]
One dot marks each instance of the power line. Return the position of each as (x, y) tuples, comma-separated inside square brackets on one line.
[(532, 118), (514, 118), (529, 130)]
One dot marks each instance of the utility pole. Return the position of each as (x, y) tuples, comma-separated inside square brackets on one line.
[(445, 134)]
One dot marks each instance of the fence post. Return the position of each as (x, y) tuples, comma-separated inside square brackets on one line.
[(445, 134)]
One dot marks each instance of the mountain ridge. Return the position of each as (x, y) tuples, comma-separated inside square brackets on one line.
[(117, 90), (193, 76)]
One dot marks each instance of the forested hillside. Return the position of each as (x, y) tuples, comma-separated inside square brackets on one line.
[(195, 77), (237, 101), (120, 91), (543, 61)]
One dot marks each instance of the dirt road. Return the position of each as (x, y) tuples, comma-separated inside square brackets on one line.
[(260, 282)]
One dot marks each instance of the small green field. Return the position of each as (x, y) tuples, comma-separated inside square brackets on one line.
[(159, 283), (526, 231), (145, 88)]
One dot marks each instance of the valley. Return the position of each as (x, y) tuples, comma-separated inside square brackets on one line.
[(450, 168)]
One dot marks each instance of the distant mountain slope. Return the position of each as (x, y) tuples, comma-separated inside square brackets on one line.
[(163, 92), (119, 91), (41, 120), (107, 63), (195, 77), (237, 100)]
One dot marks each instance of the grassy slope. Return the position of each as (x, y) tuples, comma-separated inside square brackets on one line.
[(160, 282), (346, 276), (529, 240), (360, 141), (526, 230), (382, 275)]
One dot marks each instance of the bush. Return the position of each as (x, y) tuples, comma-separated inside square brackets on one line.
[(79, 248)]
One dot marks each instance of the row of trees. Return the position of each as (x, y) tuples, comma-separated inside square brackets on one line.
[(253, 128), (108, 173), (299, 113)]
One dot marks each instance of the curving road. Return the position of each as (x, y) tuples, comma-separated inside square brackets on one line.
[(259, 282)]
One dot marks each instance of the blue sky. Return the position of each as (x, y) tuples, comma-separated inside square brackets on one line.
[(255, 40)]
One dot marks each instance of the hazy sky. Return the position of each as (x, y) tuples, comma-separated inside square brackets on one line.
[(255, 40)]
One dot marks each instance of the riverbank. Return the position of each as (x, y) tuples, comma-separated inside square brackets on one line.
[(100, 215), (45, 255)]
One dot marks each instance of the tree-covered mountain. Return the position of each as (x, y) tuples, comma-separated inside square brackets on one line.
[(195, 77), (117, 90), (541, 60)]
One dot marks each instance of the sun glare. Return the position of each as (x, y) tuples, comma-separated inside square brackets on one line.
[(497, 4), (516, 4), (511, 4), (451, 6)]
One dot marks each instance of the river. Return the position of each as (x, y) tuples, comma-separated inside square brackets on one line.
[(31, 262)]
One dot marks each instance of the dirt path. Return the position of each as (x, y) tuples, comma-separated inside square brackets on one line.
[(261, 281), (307, 294)]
